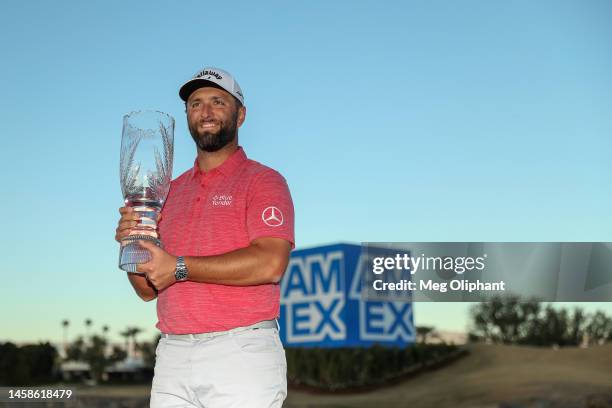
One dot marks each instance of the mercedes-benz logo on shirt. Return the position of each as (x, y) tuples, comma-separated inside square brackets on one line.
[(272, 217)]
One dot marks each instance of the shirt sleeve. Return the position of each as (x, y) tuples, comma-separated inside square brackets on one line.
[(270, 208)]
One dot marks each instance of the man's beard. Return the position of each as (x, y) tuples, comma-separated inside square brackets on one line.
[(212, 142)]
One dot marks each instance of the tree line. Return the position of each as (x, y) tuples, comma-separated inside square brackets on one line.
[(512, 320), (505, 320), (37, 364)]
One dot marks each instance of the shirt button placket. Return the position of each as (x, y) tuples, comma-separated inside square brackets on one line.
[(195, 211), (199, 201)]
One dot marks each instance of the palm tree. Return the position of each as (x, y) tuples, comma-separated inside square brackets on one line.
[(126, 334), (105, 329), (65, 324), (134, 331), (88, 325), (95, 354)]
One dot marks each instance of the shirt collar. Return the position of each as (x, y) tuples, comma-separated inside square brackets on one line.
[(226, 168)]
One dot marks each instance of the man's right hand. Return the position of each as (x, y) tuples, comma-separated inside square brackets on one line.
[(128, 220)]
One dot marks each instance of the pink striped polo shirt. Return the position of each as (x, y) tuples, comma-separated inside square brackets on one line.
[(213, 213)]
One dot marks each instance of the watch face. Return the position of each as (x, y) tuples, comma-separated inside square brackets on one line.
[(180, 274)]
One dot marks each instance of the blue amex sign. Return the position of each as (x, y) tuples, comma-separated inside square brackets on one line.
[(323, 301)]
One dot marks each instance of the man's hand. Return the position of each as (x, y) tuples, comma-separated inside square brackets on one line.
[(160, 269), (128, 220)]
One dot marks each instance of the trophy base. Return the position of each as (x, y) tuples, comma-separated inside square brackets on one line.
[(131, 253)]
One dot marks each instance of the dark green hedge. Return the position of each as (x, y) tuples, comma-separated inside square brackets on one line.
[(342, 368)]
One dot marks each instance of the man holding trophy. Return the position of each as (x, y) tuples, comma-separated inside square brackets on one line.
[(225, 235)]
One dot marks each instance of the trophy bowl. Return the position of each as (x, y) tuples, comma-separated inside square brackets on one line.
[(145, 168)]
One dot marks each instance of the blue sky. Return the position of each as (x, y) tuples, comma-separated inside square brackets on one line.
[(392, 121)]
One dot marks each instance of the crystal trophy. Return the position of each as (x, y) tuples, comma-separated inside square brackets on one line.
[(145, 168)]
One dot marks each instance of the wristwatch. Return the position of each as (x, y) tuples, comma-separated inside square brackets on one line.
[(180, 273)]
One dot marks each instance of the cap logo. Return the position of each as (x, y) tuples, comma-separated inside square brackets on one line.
[(209, 73)]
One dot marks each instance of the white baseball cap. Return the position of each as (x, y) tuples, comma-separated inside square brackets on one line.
[(211, 76)]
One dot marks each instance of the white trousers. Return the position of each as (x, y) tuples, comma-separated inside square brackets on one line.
[(246, 369)]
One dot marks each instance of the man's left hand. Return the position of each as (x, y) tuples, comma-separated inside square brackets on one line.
[(160, 269)]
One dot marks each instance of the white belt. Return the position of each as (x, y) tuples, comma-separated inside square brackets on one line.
[(266, 324)]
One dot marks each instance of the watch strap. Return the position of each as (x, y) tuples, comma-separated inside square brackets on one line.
[(180, 273)]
